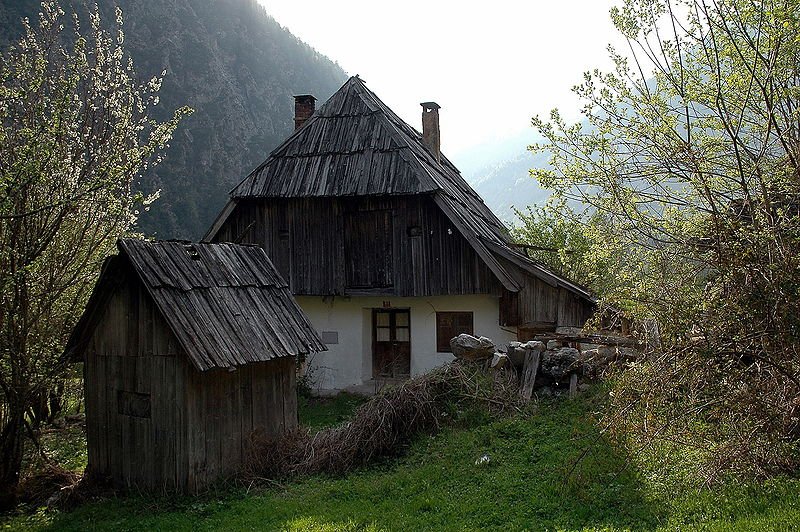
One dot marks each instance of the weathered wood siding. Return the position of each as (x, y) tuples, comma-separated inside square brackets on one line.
[(154, 421), (132, 351), (421, 253), (226, 409), (542, 306)]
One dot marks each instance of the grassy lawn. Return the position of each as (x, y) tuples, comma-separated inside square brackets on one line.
[(528, 483)]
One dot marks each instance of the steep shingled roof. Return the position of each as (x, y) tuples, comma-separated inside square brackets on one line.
[(354, 145), (225, 303)]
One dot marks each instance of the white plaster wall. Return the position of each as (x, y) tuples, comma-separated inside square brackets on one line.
[(349, 363)]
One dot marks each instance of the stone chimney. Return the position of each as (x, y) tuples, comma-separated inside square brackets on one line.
[(430, 128), (304, 106)]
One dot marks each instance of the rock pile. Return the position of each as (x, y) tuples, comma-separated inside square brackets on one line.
[(566, 357)]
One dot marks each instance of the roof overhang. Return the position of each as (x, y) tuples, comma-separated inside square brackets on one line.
[(539, 271)]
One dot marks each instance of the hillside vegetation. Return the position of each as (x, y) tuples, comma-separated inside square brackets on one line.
[(236, 67)]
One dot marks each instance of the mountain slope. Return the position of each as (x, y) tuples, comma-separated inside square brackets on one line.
[(236, 66), (509, 185)]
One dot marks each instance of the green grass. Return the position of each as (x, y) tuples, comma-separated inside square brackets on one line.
[(528, 484), (319, 412)]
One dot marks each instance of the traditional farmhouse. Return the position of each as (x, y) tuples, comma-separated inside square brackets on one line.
[(188, 349), (386, 247)]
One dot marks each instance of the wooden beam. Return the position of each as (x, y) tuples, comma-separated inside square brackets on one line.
[(591, 339), (529, 370)]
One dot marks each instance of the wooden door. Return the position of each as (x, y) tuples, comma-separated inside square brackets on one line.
[(391, 343)]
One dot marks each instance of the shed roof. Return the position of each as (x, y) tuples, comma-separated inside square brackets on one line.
[(354, 145), (225, 303)]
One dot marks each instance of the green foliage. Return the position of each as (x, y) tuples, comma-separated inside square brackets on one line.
[(692, 158), (531, 482), (579, 245), (64, 446)]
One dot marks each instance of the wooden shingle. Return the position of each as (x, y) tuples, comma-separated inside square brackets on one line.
[(225, 303)]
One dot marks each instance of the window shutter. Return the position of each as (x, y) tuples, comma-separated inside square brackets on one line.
[(450, 325)]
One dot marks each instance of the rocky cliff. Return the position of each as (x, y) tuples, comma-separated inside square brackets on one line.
[(236, 66)]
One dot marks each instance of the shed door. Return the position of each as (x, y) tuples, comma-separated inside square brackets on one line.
[(391, 346)]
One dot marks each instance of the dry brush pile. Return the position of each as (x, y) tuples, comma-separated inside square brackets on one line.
[(382, 425)]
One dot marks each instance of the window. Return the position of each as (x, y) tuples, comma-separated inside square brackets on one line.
[(450, 325), (133, 404)]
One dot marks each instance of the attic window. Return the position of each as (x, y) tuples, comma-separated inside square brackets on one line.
[(192, 252)]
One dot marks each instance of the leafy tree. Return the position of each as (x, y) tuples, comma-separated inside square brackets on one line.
[(692, 158), (75, 135), (576, 244)]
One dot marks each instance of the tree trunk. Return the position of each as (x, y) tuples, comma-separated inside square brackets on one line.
[(56, 401), (39, 411), (11, 445)]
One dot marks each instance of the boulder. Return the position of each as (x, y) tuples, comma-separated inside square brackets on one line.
[(534, 345), (516, 351), (611, 353), (628, 353), (467, 347), (499, 360), (553, 344), (559, 363), (607, 353), (585, 347), (590, 354)]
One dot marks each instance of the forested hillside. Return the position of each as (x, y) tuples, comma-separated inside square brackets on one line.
[(231, 62)]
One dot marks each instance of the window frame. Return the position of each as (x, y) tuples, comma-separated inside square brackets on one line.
[(454, 329)]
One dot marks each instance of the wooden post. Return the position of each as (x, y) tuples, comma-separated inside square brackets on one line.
[(573, 385), (529, 370)]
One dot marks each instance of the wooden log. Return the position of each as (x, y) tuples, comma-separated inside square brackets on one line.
[(597, 339), (573, 385), (529, 370)]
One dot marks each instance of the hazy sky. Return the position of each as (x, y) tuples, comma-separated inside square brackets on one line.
[(490, 65)]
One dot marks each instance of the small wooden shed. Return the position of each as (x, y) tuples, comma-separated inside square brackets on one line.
[(188, 350)]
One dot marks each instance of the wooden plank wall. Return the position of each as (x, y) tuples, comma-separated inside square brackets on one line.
[(542, 304), (305, 240), (132, 350), (199, 423), (225, 408)]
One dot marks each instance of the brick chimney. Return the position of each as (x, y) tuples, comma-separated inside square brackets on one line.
[(304, 106), (430, 128)]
